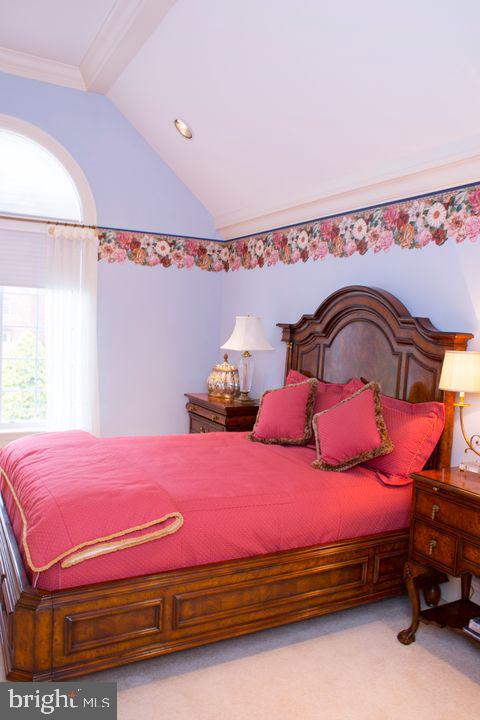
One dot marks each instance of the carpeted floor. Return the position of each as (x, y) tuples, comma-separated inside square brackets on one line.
[(345, 666)]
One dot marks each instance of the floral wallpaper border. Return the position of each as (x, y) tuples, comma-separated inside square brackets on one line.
[(411, 224)]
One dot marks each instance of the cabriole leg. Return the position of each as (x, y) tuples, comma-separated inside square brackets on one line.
[(410, 572)]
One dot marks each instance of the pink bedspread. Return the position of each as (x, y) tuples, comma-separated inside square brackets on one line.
[(76, 498), (237, 498)]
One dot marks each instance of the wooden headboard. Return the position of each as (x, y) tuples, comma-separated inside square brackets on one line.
[(366, 332)]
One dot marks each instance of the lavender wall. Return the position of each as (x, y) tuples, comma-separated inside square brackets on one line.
[(437, 282), (158, 335), (158, 329)]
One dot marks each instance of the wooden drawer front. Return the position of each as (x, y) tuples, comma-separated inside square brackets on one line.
[(388, 566), (248, 601), (437, 509), (107, 627), (470, 558), (434, 544), (208, 414), (200, 425)]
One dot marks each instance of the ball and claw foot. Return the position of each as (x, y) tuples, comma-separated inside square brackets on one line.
[(406, 637)]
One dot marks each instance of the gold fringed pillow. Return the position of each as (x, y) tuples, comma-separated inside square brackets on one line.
[(285, 415), (352, 431)]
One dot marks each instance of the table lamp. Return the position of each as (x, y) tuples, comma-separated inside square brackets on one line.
[(461, 373), (247, 337)]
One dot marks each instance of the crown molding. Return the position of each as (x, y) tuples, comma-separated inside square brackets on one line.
[(39, 68), (458, 170), (126, 28)]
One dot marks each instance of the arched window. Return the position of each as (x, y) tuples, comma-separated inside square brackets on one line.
[(39, 177), (33, 181)]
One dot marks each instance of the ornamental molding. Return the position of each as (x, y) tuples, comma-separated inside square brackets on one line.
[(125, 30), (39, 68), (122, 34)]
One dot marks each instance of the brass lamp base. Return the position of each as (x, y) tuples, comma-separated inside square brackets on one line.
[(244, 397), (472, 442)]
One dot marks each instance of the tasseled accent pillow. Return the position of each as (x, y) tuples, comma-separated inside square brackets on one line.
[(285, 415), (352, 431)]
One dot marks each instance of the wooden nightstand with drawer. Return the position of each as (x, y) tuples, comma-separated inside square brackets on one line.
[(444, 538), (208, 414)]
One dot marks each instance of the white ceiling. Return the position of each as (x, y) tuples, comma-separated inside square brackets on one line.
[(298, 107), (61, 30)]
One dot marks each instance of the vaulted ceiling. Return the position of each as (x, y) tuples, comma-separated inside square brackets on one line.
[(298, 107)]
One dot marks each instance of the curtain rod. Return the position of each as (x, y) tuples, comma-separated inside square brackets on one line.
[(43, 221), (70, 223)]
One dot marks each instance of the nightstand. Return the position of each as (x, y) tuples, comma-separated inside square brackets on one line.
[(209, 414), (444, 538)]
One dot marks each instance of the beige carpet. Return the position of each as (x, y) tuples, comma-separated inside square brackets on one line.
[(345, 666)]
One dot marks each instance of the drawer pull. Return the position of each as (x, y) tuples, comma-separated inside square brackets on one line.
[(435, 488), (431, 546), (435, 510), (202, 429), (190, 407), (215, 418), (3, 604)]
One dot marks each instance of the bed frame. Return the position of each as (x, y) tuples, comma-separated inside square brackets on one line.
[(357, 331)]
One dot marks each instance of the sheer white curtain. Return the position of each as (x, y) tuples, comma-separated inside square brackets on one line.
[(71, 329)]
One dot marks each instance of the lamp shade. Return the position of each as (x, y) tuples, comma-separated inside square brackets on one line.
[(247, 335), (461, 372)]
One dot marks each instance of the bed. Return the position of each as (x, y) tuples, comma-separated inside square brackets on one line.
[(150, 600)]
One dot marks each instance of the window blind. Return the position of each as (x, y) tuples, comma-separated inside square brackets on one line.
[(22, 254)]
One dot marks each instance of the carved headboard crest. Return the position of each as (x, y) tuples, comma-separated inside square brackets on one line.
[(366, 332)]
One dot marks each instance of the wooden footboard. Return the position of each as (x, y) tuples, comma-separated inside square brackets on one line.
[(58, 635)]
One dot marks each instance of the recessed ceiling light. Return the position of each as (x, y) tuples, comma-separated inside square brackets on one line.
[(183, 129)]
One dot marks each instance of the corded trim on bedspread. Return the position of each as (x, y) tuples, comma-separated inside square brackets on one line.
[(77, 554)]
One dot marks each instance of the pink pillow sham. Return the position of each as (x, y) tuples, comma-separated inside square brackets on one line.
[(328, 394), (414, 429), (285, 415), (352, 431)]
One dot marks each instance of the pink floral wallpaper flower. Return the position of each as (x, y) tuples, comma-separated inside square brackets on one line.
[(450, 215)]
